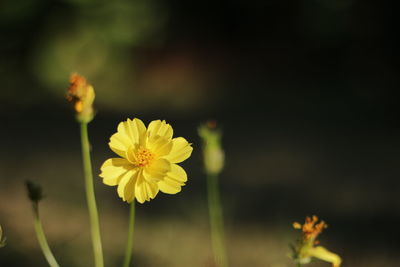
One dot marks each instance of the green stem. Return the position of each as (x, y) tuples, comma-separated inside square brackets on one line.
[(131, 230), (216, 221), (42, 238), (90, 197)]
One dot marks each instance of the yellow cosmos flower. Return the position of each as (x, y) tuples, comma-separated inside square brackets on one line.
[(306, 249), (148, 160)]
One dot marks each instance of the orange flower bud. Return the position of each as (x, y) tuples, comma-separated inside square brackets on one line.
[(81, 95)]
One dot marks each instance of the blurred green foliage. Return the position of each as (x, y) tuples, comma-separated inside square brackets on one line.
[(104, 41), (96, 38)]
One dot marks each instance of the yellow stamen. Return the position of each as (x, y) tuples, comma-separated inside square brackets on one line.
[(144, 157)]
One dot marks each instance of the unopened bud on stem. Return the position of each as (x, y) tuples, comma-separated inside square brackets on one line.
[(213, 154), (34, 191)]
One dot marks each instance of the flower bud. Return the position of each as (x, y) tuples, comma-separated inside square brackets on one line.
[(34, 191), (213, 154), (81, 95)]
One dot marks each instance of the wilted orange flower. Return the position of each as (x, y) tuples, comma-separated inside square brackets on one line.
[(306, 249), (82, 95), (311, 229)]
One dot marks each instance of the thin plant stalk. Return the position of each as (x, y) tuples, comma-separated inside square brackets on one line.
[(216, 221), (131, 230), (42, 238), (90, 197)]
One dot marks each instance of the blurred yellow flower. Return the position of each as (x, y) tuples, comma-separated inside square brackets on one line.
[(148, 160), (82, 95), (306, 249), (2, 239)]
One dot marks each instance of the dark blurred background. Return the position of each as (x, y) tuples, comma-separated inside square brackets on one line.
[(303, 90)]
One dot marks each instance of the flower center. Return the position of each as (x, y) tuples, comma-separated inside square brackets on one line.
[(144, 157)]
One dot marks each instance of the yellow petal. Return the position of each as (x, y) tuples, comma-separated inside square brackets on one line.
[(129, 133), (160, 128), (174, 180), (160, 146), (180, 151), (297, 225), (325, 255), (113, 169), (136, 131), (126, 187), (157, 170), (145, 190), (119, 143)]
